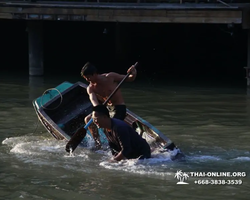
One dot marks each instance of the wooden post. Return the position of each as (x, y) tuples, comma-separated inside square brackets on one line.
[(35, 32), (35, 86), (248, 59)]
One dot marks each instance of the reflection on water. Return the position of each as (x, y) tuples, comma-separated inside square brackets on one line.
[(209, 124), (34, 84)]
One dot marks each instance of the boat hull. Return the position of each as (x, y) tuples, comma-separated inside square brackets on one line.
[(62, 110)]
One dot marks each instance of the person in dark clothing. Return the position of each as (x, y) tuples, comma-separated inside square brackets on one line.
[(100, 87), (124, 141)]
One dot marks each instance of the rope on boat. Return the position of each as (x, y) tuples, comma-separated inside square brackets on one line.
[(48, 92), (41, 102)]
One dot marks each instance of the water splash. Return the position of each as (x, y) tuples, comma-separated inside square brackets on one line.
[(157, 165), (71, 152), (243, 158), (39, 150)]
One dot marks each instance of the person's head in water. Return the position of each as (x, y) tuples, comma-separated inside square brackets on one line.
[(89, 72), (101, 116)]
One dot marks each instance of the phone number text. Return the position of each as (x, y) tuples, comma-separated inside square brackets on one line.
[(218, 182)]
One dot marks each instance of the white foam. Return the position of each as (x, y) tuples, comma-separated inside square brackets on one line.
[(144, 167), (156, 165), (204, 158), (242, 158), (38, 150), (42, 151)]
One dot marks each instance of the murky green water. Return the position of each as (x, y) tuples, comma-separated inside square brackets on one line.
[(209, 124)]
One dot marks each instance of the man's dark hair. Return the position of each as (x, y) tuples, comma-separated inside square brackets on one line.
[(88, 69), (101, 109)]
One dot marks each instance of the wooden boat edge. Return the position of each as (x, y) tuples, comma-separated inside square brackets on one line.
[(59, 134)]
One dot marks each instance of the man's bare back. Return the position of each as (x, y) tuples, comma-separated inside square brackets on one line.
[(105, 86)]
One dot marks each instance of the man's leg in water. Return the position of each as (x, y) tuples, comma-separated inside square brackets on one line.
[(94, 132)]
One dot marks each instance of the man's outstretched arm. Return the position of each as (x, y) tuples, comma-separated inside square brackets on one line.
[(118, 77)]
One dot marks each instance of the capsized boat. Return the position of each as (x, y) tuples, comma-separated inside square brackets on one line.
[(62, 110)]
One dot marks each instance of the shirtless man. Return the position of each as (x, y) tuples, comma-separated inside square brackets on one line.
[(99, 89)]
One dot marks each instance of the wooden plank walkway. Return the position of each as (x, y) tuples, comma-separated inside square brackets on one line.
[(117, 5), (124, 12)]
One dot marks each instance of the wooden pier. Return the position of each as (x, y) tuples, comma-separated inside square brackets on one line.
[(121, 11), (143, 12)]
